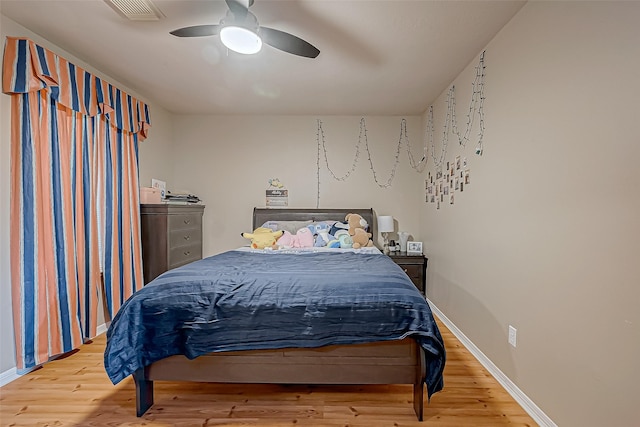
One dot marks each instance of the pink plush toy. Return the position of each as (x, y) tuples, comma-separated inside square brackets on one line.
[(286, 240), (302, 239)]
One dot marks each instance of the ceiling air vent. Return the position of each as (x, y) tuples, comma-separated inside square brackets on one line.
[(136, 10)]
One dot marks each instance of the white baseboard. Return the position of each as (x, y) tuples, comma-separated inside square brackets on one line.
[(12, 374), (527, 404), (7, 376), (101, 329)]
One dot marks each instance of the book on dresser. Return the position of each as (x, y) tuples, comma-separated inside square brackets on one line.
[(171, 237)]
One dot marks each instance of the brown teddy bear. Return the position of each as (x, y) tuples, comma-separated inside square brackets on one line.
[(355, 221), (361, 239), (357, 231)]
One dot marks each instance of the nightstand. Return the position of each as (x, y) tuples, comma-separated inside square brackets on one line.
[(414, 265)]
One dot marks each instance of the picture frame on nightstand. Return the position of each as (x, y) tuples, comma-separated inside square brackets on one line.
[(414, 248)]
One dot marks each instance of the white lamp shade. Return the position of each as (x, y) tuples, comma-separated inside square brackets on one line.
[(385, 224)]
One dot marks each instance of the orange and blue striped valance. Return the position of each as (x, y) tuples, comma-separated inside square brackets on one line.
[(29, 67)]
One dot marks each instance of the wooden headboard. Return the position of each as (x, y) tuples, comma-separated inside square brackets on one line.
[(262, 215)]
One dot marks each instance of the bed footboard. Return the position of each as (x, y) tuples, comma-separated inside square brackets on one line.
[(389, 362)]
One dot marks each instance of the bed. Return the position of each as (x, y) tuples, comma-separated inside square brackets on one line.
[(247, 316)]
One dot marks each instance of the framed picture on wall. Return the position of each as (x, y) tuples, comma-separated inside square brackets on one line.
[(414, 248)]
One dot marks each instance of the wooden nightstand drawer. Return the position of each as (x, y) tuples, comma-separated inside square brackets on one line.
[(414, 266), (413, 271)]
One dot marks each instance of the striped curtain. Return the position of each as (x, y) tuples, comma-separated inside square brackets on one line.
[(74, 199)]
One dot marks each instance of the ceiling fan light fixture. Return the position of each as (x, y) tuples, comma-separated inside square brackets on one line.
[(240, 39), (239, 31)]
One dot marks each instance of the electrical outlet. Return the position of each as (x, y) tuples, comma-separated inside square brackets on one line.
[(512, 335)]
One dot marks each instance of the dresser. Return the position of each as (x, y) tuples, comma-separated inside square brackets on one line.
[(171, 237), (415, 266)]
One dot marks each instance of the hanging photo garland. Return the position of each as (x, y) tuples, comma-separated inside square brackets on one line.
[(457, 175), (476, 107)]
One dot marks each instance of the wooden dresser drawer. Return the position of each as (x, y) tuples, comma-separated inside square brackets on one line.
[(186, 220), (185, 237), (182, 255)]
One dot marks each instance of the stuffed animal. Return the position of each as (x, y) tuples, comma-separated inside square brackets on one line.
[(358, 231), (302, 239), (334, 243), (321, 230), (337, 226), (361, 239), (286, 240), (356, 221), (344, 239), (263, 237)]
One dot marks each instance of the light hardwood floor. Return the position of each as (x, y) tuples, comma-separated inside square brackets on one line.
[(75, 391)]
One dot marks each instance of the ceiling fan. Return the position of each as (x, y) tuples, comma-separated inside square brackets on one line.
[(239, 31)]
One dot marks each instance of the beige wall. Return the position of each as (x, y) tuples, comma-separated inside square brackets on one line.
[(228, 160), (155, 152), (154, 160), (546, 237)]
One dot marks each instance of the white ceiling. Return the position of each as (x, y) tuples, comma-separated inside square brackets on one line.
[(376, 57)]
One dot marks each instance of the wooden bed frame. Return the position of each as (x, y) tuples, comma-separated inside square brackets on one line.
[(385, 362)]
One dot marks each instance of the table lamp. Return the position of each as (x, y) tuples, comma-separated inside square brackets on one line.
[(385, 226)]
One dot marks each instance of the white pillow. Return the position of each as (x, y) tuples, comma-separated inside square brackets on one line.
[(290, 226)]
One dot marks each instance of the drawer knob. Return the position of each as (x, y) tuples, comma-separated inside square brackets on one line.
[(187, 221), (405, 270), (187, 237), (187, 253)]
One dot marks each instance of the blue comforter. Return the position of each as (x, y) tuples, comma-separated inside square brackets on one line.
[(259, 300)]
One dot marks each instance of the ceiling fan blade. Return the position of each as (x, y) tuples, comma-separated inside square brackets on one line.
[(238, 9), (196, 31), (288, 42)]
